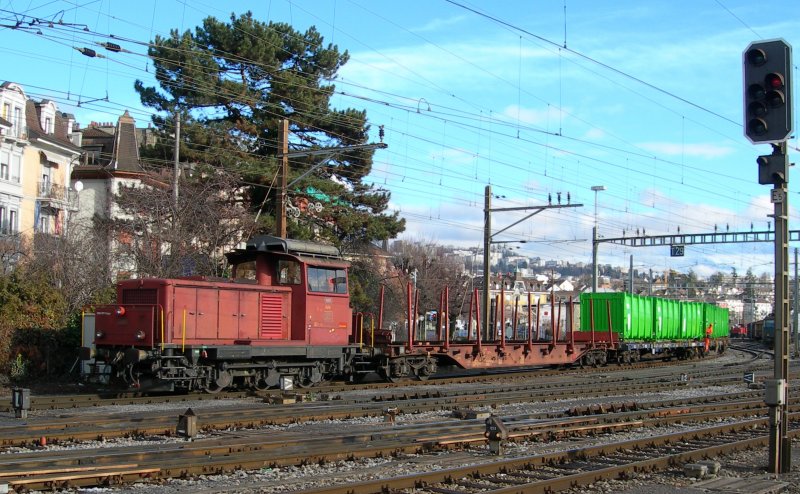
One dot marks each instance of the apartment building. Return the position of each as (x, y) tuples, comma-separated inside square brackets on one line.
[(38, 150)]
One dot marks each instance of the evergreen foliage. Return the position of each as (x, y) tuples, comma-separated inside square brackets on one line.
[(233, 83)]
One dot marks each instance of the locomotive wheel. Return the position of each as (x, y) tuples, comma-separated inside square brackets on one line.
[(259, 383), (131, 376), (222, 381), (311, 377)]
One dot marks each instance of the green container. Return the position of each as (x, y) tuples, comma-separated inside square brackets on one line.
[(631, 315), (718, 317), (692, 321), (667, 321)]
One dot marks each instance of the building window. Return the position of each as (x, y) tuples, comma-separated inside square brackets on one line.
[(44, 223), (8, 220), (16, 165), (48, 125), (16, 130), (4, 167), (6, 110)]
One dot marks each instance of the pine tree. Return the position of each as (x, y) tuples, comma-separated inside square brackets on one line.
[(232, 85)]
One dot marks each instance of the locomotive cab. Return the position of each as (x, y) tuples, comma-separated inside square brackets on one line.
[(316, 276)]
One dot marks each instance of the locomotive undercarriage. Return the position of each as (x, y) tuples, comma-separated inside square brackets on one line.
[(171, 371)]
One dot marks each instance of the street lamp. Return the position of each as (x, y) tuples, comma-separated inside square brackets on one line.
[(596, 189)]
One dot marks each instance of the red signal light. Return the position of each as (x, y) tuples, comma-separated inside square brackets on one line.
[(774, 81), (120, 311)]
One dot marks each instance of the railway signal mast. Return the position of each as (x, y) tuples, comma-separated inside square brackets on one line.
[(767, 69)]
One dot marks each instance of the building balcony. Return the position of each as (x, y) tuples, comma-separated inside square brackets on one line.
[(15, 133), (52, 195)]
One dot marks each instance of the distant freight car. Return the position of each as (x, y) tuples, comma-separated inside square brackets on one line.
[(768, 335), (655, 325)]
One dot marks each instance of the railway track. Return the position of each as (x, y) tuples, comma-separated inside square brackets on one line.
[(118, 398), (236, 438), (86, 425), (238, 450), (562, 470)]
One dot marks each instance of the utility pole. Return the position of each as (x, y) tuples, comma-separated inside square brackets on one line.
[(487, 243), (283, 171), (595, 189), (282, 178), (796, 307), (778, 389), (177, 171)]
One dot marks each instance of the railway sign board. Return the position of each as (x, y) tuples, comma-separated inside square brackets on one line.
[(676, 250)]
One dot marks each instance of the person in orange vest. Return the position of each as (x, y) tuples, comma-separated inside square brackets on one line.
[(709, 332)]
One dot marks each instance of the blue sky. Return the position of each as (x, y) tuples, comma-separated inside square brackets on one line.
[(645, 99)]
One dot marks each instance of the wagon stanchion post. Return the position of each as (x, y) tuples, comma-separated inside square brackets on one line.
[(530, 323), (557, 324), (445, 318), (500, 314), (411, 319), (514, 318), (439, 317), (538, 318), (380, 310), (469, 318), (571, 338), (591, 317), (478, 328)]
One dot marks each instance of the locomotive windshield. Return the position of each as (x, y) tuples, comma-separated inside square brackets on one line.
[(327, 280)]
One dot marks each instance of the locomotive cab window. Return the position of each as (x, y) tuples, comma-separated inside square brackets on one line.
[(245, 271), (327, 280), (288, 272)]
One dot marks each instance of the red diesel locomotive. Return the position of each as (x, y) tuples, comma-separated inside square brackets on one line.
[(286, 312)]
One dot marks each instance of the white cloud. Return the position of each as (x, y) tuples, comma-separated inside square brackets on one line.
[(439, 24), (532, 116)]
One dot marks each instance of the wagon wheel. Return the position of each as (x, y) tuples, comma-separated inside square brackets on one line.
[(387, 375), (425, 370)]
